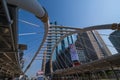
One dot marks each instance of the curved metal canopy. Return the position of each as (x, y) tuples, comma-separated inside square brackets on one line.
[(62, 32), (29, 5)]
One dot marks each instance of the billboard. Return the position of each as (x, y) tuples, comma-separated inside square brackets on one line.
[(73, 53)]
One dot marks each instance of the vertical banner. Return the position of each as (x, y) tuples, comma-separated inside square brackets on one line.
[(73, 53)]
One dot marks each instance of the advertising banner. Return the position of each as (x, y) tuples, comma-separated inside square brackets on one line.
[(73, 52)]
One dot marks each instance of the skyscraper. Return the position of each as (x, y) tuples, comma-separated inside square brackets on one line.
[(61, 57), (92, 45), (115, 39)]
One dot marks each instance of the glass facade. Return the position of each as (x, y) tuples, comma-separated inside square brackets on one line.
[(88, 44), (63, 45), (61, 57), (115, 40)]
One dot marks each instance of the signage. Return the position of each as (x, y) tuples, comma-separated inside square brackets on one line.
[(73, 52)]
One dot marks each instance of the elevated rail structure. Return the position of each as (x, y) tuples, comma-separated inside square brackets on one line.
[(9, 49), (9, 58)]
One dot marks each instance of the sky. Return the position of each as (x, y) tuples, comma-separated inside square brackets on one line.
[(77, 13)]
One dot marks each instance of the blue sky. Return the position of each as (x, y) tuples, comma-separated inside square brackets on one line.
[(77, 13), (82, 13)]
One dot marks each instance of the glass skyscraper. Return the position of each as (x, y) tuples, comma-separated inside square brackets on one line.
[(115, 39), (61, 56), (92, 46)]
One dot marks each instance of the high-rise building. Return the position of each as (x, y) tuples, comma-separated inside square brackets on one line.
[(91, 46), (115, 39), (61, 57)]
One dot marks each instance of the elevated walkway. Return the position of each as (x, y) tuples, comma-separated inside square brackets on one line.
[(9, 58)]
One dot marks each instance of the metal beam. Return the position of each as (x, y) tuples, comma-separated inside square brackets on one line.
[(6, 11), (9, 46)]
